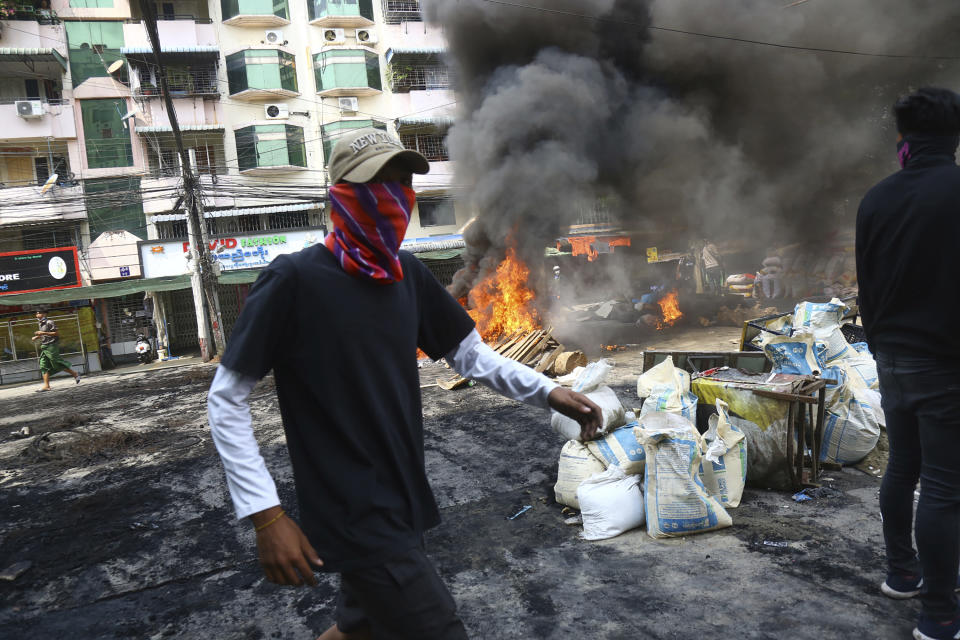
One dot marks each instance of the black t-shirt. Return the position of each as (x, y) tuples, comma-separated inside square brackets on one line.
[(343, 352)]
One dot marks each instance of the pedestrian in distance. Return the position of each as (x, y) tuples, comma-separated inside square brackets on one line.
[(339, 324), (50, 361), (907, 228)]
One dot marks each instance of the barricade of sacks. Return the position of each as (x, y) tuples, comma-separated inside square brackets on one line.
[(815, 344), (656, 469)]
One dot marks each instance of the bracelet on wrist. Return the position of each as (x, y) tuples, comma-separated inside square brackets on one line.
[(267, 524)]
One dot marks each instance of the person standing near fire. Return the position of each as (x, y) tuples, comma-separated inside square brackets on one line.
[(712, 267), (907, 229), (50, 360), (339, 324)]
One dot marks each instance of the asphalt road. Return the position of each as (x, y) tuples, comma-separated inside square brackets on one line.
[(123, 512)]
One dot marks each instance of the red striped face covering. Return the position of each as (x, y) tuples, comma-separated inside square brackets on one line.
[(369, 222)]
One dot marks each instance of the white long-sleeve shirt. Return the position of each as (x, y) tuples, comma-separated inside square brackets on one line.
[(251, 486)]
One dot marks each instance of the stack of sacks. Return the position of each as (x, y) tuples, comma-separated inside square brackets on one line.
[(817, 346), (688, 481), (666, 388), (677, 501)]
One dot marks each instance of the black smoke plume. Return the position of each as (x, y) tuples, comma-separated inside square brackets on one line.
[(714, 135)]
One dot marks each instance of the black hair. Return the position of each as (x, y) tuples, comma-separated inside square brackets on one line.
[(930, 111), (41, 310)]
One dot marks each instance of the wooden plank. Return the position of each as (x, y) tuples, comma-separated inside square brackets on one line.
[(536, 351), (531, 343), (510, 353), (547, 362), (455, 382)]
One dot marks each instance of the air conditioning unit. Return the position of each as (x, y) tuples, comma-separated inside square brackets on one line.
[(348, 104), (334, 36), (366, 36), (29, 108), (273, 36), (276, 111)]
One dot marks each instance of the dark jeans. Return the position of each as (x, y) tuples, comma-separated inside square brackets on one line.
[(402, 599), (921, 400)]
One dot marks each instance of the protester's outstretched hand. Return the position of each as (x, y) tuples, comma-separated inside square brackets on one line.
[(580, 408), (286, 555)]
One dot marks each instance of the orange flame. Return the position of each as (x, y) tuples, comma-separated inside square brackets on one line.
[(670, 309), (503, 303)]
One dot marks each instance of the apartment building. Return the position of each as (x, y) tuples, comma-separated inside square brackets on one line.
[(262, 90)]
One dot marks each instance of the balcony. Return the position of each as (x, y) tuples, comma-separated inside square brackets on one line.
[(340, 13), (397, 11), (347, 72), (266, 149), (262, 74), (416, 70), (188, 75), (255, 13), (59, 203), (28, 13), (55, 120), (177, 33), (426, 135)]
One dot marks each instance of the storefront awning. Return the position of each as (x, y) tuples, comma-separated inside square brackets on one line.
[(136, 51), (438, 243), (412, 52), (122, 288), (8, 54), (165, 128), (249, 211), (436, 121), (105, 290)]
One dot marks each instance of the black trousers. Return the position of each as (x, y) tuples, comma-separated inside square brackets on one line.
[(402, 599), (921, 400)]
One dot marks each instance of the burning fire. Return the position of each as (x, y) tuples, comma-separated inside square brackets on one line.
[(502, 302), (670, 309)]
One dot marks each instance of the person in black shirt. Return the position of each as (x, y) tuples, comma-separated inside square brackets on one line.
[(339, 324), (908, 226)]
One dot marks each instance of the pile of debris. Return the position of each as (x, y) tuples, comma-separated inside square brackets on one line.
[(653, 465), (537, 349)]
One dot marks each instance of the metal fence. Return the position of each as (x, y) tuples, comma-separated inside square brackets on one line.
[(433, 146), (418, 77), (21, 354), (397, 11)]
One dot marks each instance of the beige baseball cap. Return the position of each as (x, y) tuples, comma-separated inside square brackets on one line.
[(359, 156)]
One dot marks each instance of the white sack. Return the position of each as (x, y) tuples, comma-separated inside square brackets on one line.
[(851, 426), (664, 374), (614, 415), (667, 389), (677, 503), (620, 448), (723, 469), (576, 465), (611, 503)]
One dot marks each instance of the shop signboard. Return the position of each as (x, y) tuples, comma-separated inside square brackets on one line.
[(39, 270), (232, 253)]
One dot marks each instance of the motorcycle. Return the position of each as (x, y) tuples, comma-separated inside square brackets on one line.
[(144, 349)]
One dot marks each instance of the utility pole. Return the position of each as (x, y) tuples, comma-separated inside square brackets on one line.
[(202, 276)]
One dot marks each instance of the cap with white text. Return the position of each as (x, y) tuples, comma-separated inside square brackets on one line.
[(361, 154)]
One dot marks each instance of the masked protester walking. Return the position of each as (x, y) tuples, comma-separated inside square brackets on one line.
[(907, 229), (339, 324), (51, 361)]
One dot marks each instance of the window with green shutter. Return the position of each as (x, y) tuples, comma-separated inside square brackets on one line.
[(93, 47), (263, 69), (115, 204), (270, 145), (347, 69), (318, 9), (107, 141), (232, 8)]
